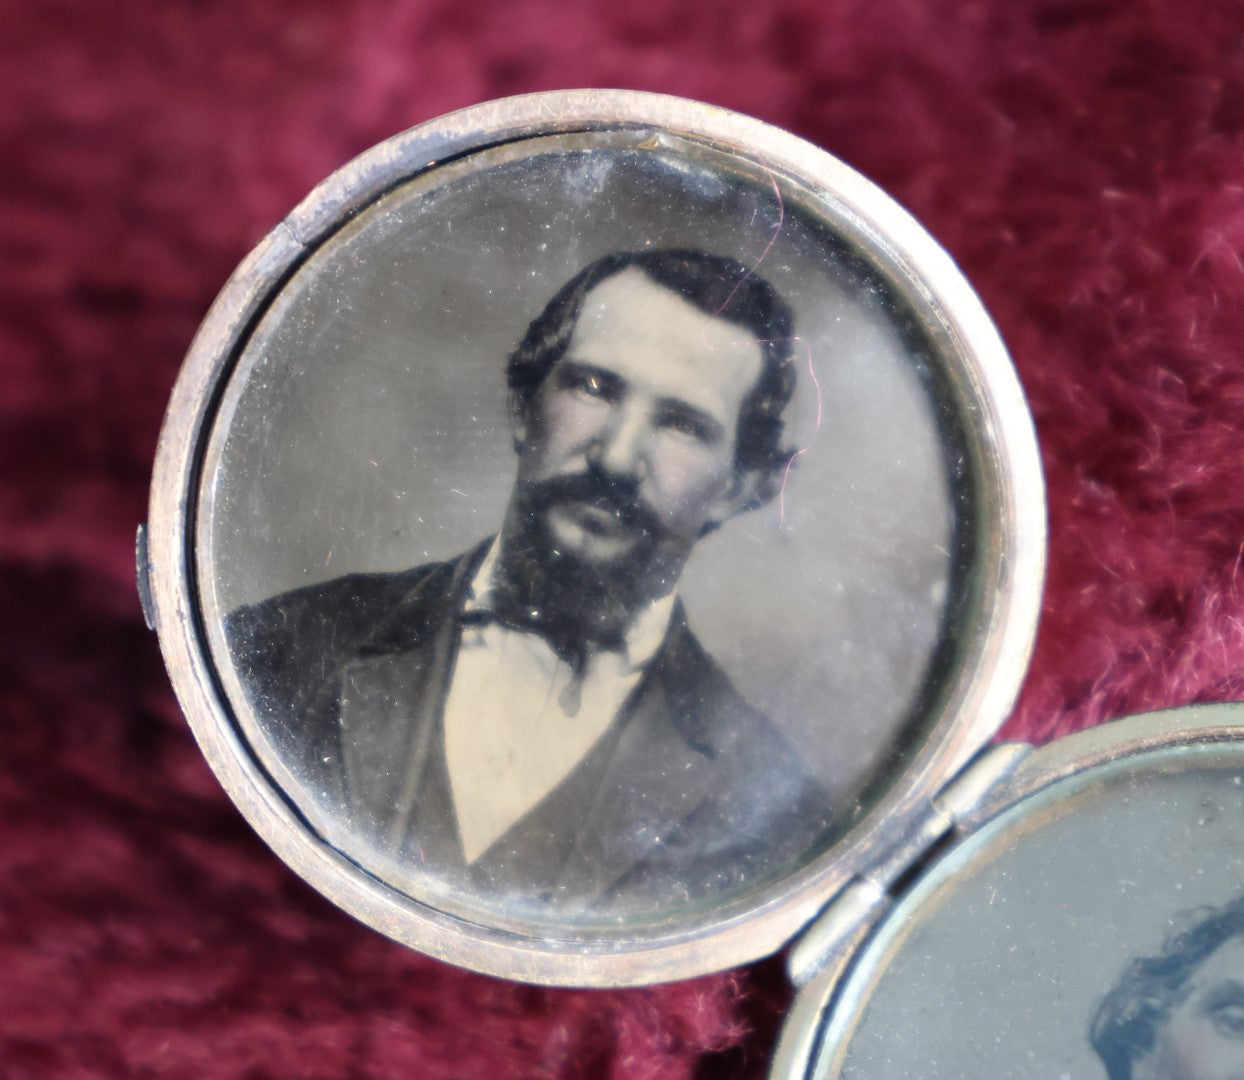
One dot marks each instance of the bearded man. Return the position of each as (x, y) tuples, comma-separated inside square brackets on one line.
[(534, 719)]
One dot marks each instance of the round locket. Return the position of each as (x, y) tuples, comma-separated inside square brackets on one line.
[(590, 532)]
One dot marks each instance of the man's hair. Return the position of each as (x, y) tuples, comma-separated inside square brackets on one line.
[(1126, 1023), (715, 284)]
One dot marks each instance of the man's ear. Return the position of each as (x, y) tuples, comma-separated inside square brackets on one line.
[(516, 403), (749, 489)]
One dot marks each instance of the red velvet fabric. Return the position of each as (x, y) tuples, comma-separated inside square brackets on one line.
[(1082, 159)]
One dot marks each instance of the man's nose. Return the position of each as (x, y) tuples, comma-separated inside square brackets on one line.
[(621, 447)]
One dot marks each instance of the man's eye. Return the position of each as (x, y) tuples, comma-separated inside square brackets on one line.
[(588, 384), (689, 426), (1228, 1020)]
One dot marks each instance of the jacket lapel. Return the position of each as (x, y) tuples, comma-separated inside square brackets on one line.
[(658, 777), (391, 695)]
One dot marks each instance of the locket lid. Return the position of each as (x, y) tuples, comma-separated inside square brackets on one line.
[(338, 460), (1056, 936)]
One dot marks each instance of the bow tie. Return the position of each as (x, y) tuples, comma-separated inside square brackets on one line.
[(527, 622), (568, 641)]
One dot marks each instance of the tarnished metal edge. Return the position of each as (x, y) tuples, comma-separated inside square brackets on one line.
[(866, 898)]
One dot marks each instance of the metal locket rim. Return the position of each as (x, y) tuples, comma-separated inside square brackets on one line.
[(993, 651), (834, 997)]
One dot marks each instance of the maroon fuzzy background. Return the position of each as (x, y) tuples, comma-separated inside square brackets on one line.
[(1084, 163)]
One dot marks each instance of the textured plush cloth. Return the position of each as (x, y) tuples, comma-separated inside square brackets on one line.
[(1082, 159)]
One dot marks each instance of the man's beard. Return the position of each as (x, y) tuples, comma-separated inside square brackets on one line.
[(574, 602)]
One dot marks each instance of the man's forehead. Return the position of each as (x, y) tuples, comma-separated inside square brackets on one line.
[(629, 319), (1226, 963)]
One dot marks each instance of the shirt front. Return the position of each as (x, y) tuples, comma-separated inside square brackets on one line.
[(518, 718)]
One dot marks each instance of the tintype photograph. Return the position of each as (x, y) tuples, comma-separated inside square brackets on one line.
[(581, 531), (1177, 1012), (1099, 937)]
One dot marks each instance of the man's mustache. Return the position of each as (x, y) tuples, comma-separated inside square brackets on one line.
[(615, 495)]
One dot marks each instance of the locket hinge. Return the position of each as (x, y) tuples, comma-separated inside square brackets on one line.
[(832, 936)]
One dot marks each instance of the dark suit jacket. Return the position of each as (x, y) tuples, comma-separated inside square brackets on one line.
[(691, 793)]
